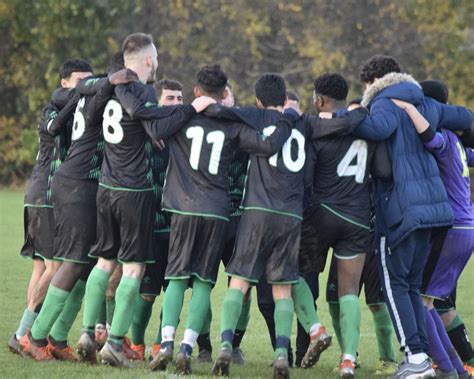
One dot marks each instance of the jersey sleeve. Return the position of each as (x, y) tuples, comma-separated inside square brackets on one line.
[(56, 124), (90, 86), (469, 156), (453, 117), (257, 143), (381, 123), (96, 106), (248, 115), (321, 128)]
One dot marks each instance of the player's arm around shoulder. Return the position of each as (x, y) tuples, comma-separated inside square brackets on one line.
[(56, 121), (267, 143), (381, 122)]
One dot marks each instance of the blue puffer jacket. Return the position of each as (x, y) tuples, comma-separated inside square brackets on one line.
[(416, 197)]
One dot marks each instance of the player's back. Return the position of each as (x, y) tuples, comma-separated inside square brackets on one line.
[(200, 156), (275, 184), (127, 146), (341, 176)]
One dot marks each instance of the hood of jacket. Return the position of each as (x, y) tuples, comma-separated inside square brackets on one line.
[(395, 85)]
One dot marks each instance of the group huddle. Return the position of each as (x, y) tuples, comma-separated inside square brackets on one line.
[(134, 192)]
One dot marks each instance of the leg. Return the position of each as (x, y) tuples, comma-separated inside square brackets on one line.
[(266, 307), (283, 319), (38, 269), (39, 292)]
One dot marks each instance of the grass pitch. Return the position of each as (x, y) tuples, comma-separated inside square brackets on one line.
[(15, 272)]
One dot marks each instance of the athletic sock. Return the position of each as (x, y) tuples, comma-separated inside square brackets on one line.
[(52, 306), (383, 332), (231, 310), (448, 346), (198, 307), (125, 302), (334, 311), (158, 335), (458, 335), (141, 318), (349, 319), (95, 294), (302, 298), (102, 318), (172, 305), (26, 322), (284, 309), (436, 348), (63, 324), (242, 323), (109, 309)]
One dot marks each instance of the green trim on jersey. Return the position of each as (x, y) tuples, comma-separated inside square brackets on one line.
[(134, 262), (158, 231), (186, 213), (37, 206), (177, 277), (47, 259), (284, 282), (344, 217), (72, 260), (202, 279), (272, 211), (125, 189)]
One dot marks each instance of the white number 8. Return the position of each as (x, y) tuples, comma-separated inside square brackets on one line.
[(113, 131)]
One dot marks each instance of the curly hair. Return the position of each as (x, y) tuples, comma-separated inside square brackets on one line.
[(212, 79), (331, 85), (377, 67), (270, 89)]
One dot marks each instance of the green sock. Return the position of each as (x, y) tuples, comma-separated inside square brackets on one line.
[(244, 315), (125, 302), (173, 302), (140, 320), (102, 318), (231, 309), (158, 336), (63, 324), (283, 319), (206, 326), (52, 306), (109, 309), (199, 305), (304, 304), (334, 312), (384, 332), (349, 319), (26, 321), (455, 323), (95, 293)]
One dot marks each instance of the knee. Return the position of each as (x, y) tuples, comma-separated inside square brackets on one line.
[(149, 298), (133, 270), (281, 291), (239, 284)]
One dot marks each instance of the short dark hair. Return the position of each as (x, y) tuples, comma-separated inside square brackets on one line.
[(135, 42), (331, 85), (212, 79), (435, 89), (377, 67), (164, 83), (116, 63), (270, 89), (292, 95), (73, 65)]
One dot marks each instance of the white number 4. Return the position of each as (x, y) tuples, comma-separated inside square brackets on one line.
[(344, 168)]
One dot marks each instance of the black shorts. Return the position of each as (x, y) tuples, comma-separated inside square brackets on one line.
[(154, 277), (267, 244), (230, 240), (75, 215), (323, 229), (124, 226), (369, 280), (196, 245), (39, 232)]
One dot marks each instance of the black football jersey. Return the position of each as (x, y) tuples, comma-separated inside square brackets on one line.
[(54, 129), (201, 153), (237, 176), (276, 184), (159, 164), (85, 155), (131, 119)]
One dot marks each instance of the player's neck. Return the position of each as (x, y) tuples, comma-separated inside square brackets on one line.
[(334, 106), (279, 108), (142, 71)]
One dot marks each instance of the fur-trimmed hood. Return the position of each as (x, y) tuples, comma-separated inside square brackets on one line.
[(395, 85)]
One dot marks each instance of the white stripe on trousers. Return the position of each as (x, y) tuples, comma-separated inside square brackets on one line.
[(386, 279)]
